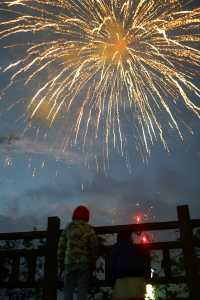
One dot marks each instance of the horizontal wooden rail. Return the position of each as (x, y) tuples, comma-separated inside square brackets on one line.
[(143, 227), (137, 227), (155, 281), (102, 230), (195, 223), (22, 252), (96, 283), (23, 235), (21, 284), (149, 246), (169, 245), (163, 245)]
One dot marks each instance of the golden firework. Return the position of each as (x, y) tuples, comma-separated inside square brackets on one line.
[(40, 112), (111, 61)]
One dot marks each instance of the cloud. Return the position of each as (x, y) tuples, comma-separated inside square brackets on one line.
[(25, 223), (177, 182), (155, 191), (117, 202), (14, 145), (110, 201), (40, 202), (171, 181), (51, 193)]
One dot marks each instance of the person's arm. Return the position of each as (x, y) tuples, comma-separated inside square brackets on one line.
[(147, 264), (61, 249), (118, 255), (93, 245)]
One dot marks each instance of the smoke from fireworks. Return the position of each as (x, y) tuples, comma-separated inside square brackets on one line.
[(110, 64)]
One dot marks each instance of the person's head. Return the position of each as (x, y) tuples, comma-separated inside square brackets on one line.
[(81, 213), (125, 236)]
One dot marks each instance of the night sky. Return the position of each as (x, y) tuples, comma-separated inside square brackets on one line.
[(38, 179)]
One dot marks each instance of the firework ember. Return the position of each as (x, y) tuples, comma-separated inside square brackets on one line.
[(108, 63), (138, 218)]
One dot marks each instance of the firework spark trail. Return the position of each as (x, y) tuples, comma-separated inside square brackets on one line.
[(109, 58)]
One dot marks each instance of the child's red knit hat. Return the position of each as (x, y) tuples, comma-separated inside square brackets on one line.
[(81, 213)]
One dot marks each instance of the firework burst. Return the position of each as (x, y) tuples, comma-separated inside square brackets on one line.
[(106, 64)]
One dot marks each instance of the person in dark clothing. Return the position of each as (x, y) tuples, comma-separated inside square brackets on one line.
[(130, 266)]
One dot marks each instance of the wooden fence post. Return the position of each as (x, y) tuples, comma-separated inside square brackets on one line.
[(186, 236), (167, 263), (50, 289)]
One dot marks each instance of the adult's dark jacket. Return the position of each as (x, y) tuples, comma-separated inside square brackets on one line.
[(128, 260)]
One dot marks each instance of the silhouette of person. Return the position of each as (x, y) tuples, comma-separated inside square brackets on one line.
[(130, 265), (77, 253)]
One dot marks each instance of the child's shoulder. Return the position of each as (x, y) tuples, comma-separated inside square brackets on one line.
[(79, 224), (87, 227)]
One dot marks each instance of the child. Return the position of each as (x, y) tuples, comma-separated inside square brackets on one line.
[(77, 253)]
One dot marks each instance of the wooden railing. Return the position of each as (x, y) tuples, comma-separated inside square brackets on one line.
[(49, 283)]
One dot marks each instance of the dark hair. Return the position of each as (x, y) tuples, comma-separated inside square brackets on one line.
[(124, 236)]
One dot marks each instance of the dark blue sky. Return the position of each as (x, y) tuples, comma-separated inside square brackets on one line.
[(37, 179)]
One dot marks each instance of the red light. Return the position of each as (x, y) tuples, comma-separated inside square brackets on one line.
[(144, 239), (138, 219)]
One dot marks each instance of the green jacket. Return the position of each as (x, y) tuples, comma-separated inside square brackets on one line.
[(77, 245)]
